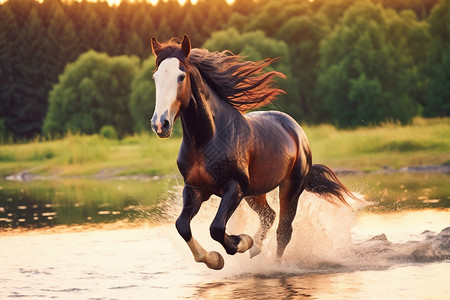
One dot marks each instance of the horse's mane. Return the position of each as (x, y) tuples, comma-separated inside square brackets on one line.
[(241, 83)]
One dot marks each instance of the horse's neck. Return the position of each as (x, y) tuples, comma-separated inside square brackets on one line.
[(204, 115), (197, 118)]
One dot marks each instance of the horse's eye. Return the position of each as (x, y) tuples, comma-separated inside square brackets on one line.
[(181, 78)]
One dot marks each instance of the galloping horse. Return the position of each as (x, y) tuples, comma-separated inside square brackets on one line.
[(231, 154)]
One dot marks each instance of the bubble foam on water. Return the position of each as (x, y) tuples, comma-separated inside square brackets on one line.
[(322, 239), (321, 236)]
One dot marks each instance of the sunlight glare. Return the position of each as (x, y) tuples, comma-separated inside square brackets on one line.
[(117, 2)]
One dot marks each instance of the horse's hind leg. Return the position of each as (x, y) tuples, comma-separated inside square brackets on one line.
[(266, 216), (192, 200), (289, 193)]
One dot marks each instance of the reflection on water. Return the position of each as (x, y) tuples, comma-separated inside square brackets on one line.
[(332, 255), (77, 201), (262, 287), (400, 191), (154, 263), (386, 284)]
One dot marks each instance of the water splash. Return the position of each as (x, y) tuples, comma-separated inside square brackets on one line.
[(320, 240), (323, 240)]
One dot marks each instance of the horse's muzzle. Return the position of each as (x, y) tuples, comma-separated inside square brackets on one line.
[(162, 127)]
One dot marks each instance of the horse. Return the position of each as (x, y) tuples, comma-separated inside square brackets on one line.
[(230, 153)]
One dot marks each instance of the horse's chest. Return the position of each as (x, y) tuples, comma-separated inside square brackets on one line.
[(207, 168), (198, 175)]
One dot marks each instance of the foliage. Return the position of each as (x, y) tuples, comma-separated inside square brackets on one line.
[(143, 93), (108, 132), (3, 132), (437, 99), (303, 35), (368, 68), (39, 38), (255, 45), (91, 93)]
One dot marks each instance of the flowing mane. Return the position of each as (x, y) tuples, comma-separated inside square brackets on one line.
[(241, 83)]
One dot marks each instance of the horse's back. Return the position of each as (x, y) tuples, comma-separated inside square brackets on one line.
[(273, 121), (279, 147)]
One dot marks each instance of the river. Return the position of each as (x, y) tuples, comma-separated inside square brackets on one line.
[(123, 245)]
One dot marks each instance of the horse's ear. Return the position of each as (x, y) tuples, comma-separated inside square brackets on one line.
[(186, 46), (156, 46)]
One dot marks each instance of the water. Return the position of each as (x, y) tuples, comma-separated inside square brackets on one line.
[(71, 202), (139, 255)]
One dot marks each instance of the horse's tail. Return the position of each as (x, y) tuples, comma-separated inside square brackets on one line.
[(323, 181)]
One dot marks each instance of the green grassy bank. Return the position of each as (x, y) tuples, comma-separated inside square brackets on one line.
[(425, 142)]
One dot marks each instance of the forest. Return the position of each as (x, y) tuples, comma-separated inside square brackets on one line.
[(79, 66)]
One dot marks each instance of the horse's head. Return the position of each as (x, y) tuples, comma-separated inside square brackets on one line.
[(173, 88)]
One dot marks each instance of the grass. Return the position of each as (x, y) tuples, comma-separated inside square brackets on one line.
[(425, 142), (78, 155)]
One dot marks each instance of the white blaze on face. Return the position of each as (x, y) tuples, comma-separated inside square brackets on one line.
[(166, 82)]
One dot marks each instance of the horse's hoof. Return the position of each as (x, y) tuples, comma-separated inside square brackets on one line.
[(245, 243), (278, 261), (214, 260), (255, 250)]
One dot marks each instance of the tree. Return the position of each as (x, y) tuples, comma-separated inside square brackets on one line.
[(27, 107), (22, 9), (142, 99), (189, 27), (420, 7), (437, 69), (303, 35), (8, 59), (411, 40), (143, 26), (92, 92), (237, 21), (90, 34), (63, 45), (215, 13), (244, 7), (274, 14), (256, 46), (366, 50), (47, 9), (109, 39), (38, 38), (164, 32), (334, 10), (134, 46)]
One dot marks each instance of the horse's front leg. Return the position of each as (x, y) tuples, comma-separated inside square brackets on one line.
[(192, 200), (230, 200)]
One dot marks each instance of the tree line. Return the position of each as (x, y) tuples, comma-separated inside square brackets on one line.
[(80, 65)]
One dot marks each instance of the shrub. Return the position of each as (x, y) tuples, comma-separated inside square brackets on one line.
[(108, 132)]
